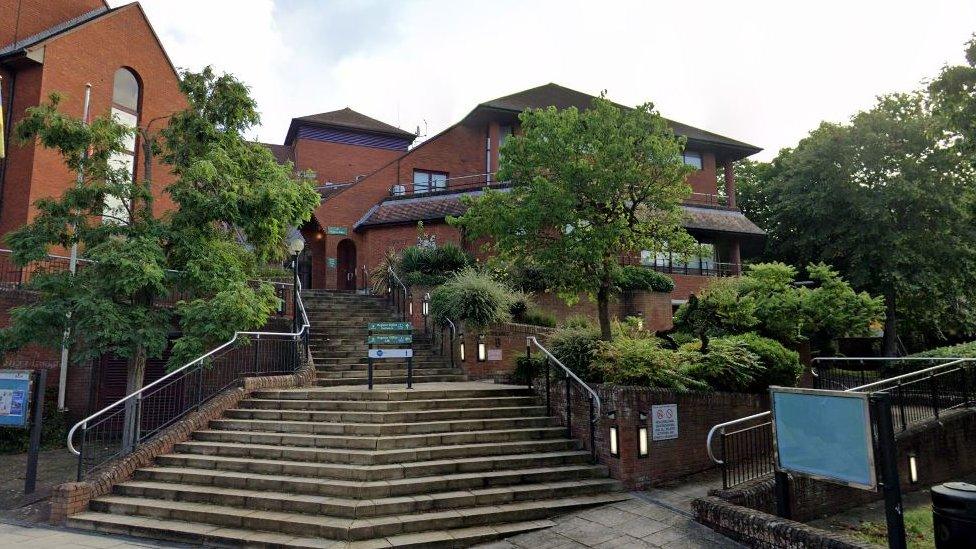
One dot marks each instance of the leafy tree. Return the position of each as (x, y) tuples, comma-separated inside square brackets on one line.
[(718, 309), (954, 97), (751, 190), (234, 206), (587, 187), (890, 205)]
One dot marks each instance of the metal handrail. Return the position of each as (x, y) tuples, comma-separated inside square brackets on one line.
[(306, 325), (569, 372), (953, 361), (397, 279)]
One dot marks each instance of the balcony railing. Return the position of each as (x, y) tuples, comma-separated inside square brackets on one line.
[(708, 199), (447, 186), (703, 269)]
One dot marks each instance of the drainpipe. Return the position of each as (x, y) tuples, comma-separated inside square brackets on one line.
[(488, 154), (73, 267), (6, 133)]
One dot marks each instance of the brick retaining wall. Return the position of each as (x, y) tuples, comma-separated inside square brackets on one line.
[(762, 530)]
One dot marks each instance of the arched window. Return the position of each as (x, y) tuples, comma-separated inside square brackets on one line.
[(125, 110)]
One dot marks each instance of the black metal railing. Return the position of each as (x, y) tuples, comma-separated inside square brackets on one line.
[(711, 268), (570, 381), (398, 294), (118, 429), (450, 185), (444, 338), (746, 445)]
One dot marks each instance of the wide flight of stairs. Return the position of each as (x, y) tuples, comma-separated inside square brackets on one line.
[(445, 464)]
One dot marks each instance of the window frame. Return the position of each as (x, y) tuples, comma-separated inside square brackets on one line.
[(430, 181), (693, 154)]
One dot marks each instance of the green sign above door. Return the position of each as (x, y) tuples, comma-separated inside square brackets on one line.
[(341, 231)]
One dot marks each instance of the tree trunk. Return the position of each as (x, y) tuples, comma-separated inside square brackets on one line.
[(889, 345), (703, 336), (603, 311), (136, 371)]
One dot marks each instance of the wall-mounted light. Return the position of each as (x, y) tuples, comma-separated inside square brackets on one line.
[(410, 305), (912, 468), (482, 348), (462, 346), (642, 445), (426, 304), (614, 442)]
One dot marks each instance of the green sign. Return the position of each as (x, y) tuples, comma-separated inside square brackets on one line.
[(331, 262), (341, 231), (390, 326), (389, 339)]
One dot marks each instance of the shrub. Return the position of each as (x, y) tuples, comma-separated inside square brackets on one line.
[(727, 366), (527, 369), (423, 266), (962, 350), (576, 347), (780, 366), (643, 362), (578, 321), (473, 298), (635, 278), (538, 318)]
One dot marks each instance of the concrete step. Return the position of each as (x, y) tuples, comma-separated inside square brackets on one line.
[(373, 457), (387, 405), (361, 489), (356, 508), (395, 394), (379, 443), (210, 535), (420, 416), (337, 528), (425, 370), (398, 379), (381, 429), (395, 471)]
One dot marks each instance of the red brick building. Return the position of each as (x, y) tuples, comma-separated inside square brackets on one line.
[(61, 46), (373, 196)]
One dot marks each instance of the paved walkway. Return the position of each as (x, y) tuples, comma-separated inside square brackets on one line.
[(45, 537), (658, 518)]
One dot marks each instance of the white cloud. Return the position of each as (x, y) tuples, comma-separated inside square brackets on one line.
[(765, 72)]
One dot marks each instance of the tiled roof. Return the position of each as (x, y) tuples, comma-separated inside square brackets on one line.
[(282, 153), (429, 208), (348, 118), (561, 97), (330, 189), (33, 40), (719, 220)]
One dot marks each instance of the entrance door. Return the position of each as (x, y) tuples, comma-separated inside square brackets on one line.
[(346, 265)]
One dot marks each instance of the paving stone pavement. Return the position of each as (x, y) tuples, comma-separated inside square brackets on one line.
[(43, 537), (638, 522)]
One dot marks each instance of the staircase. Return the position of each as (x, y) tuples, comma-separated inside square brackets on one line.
[(450, 463)]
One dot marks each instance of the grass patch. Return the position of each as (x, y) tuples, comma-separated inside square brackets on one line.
[(918, 529)]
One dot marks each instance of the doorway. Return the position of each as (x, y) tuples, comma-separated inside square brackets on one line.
[(346, 265)]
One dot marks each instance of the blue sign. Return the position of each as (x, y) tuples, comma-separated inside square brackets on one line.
[(824, 435), (14, 391)]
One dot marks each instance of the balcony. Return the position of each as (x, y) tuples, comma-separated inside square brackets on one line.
[(450, 185), (712, 268), (705, 199)]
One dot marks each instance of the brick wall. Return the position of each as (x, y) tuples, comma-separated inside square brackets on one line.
[(339, 162), (23, 18), (666, 459), (90, 53)]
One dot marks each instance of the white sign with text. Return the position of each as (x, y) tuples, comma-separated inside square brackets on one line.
[(664, 421)]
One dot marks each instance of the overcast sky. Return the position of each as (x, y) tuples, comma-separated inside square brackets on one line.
[(763, 72)]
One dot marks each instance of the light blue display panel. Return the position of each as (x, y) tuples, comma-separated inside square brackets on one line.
[(824, 434), (14, 397)]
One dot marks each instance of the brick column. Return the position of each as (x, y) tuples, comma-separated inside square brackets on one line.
[(729, 183), (735, 257)]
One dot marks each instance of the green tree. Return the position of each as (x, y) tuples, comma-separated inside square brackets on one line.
[(954, 98), (886, 202), (587, 187), (234, 204), (721, 308)]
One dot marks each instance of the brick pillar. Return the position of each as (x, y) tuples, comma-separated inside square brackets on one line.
[(730, 185), (735, 257)]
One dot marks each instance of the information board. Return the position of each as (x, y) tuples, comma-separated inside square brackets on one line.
[(664, 421), (14, 397), (390, 353), (389, 339), (824, 434), (390, 326)]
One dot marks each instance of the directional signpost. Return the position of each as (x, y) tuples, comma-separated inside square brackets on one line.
[(828, 435), (390, 333)]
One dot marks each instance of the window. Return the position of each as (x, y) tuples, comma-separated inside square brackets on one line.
[(692, 159), (125, 110), (701, 260), (428, 181)]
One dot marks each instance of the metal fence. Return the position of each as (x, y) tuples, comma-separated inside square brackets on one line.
[(926, 392), (118, 429)]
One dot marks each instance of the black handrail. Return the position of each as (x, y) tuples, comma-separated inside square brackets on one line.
[(398, 293), (570, 378)]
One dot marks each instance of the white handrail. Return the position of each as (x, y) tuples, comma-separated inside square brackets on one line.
[(397, 279), (952, 361), (569, 372), (305, 326)]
